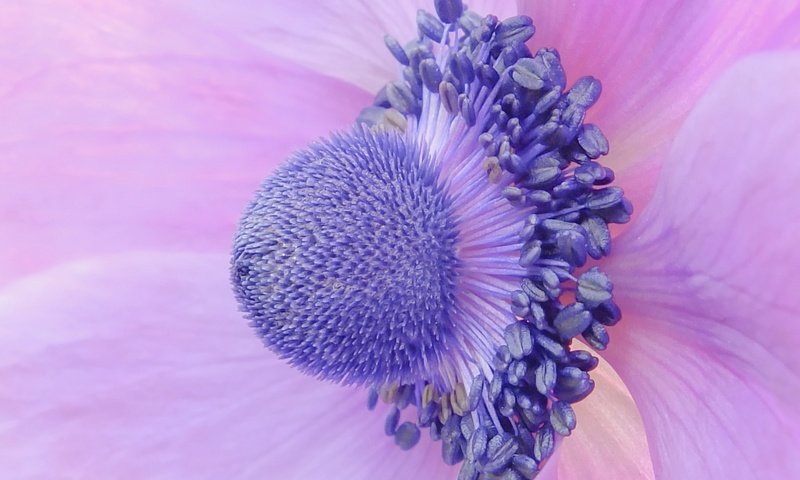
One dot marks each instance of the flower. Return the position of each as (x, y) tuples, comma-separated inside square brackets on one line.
[(122, 354)]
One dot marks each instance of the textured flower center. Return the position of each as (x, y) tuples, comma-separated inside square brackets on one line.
[(346, 260), (437, 252)]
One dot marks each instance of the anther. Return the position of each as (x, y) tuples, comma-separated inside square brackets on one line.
[(407, 435), (430, 26), (431, 75), (396, 49), (449, 11)]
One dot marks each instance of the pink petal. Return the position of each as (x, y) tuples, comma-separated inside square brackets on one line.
[(707, 278), (655, 58), (610, 440), (139, 366), (343, 39), (135, 127)]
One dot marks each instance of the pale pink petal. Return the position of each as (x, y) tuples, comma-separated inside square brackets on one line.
[(655, 58), (639, 183), (343, 39), (707, 279), (139, 366), (128, 126), (610, 440)]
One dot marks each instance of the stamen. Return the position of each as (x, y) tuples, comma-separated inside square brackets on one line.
[(438, 251)]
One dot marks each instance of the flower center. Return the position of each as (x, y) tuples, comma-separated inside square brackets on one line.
[(345, 262), (437, 252)]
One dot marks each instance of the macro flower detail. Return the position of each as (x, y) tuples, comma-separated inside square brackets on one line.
[(435, 251), (135, 133)]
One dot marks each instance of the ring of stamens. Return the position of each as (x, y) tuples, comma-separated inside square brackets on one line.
[(476, 96)]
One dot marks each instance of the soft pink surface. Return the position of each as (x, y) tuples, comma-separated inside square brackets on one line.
[(343, 38), (707, 280), (119, 133), (655, 58)]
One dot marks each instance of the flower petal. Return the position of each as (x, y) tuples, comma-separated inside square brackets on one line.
[(707, 281), (655, 58), (343, 39), (610, 440), (137, 136), (139, 366)]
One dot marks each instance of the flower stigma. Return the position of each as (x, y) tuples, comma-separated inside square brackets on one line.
[(437, 251)]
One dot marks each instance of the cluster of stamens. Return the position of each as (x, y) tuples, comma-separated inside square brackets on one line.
[(470, 73), (438, 250)]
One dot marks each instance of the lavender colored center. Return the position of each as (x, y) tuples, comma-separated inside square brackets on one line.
[(345, 262), (437, 252)]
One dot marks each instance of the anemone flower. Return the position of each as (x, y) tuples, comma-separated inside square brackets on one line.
[(135, 133)]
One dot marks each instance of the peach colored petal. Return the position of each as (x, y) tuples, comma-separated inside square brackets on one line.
[(610, 440)]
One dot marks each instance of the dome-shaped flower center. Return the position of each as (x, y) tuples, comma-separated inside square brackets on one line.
[(437, 251), (346, 264)]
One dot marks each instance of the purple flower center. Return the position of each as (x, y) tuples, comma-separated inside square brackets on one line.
[(346, 262), (436, 251)]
